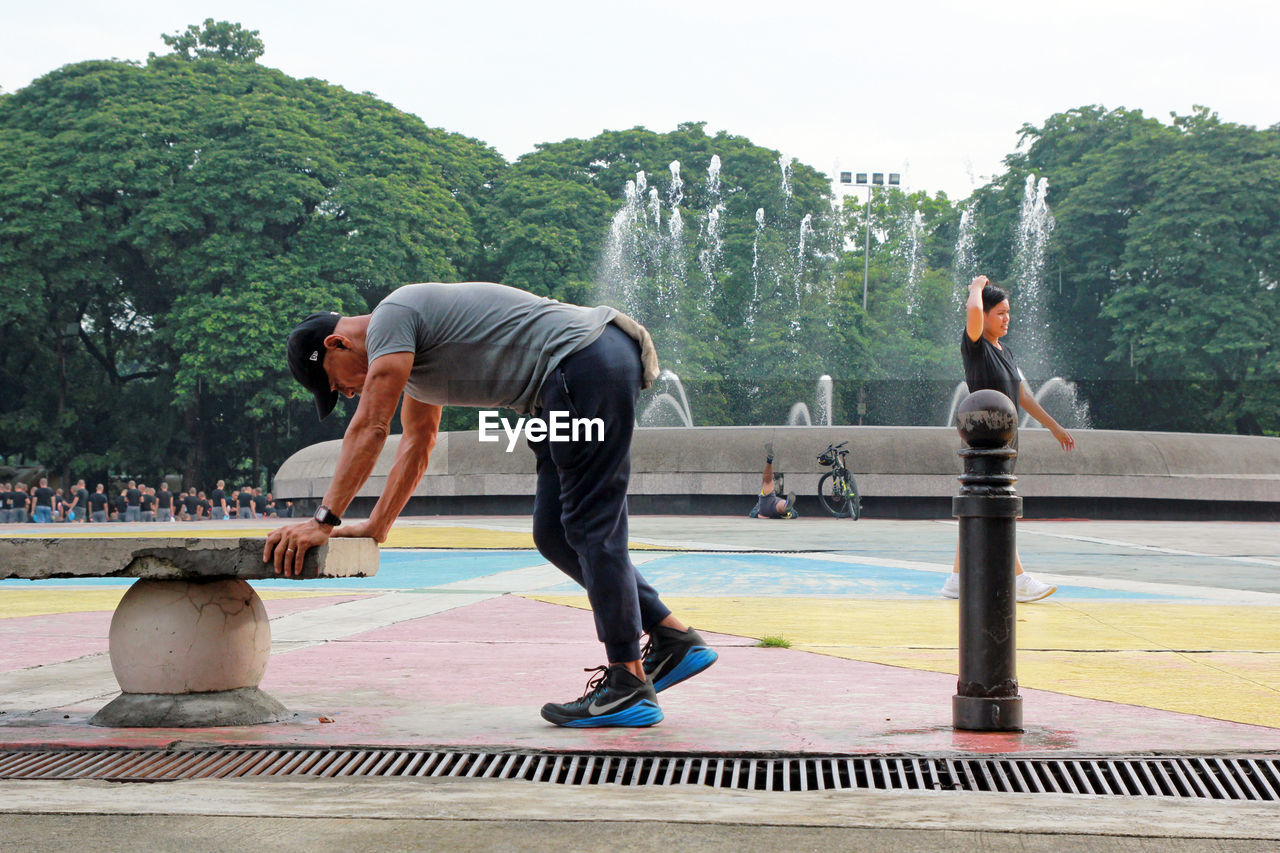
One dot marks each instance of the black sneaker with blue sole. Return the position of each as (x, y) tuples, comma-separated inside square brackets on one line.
[(614, 697), (671, 656)]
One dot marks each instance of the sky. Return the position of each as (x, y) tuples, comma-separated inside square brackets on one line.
[(935, 90)]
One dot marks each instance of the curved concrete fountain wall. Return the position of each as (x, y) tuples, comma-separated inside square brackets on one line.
[(905, 472)]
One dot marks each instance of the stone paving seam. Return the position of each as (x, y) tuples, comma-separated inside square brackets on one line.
[(1259, 561)]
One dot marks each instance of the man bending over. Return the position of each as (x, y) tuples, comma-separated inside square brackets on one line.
[(491, 346)]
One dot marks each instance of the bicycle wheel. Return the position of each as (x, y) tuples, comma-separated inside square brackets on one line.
[(832, 492), (854, 496)]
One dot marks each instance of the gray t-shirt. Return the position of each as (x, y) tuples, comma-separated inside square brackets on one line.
[(480, 344)]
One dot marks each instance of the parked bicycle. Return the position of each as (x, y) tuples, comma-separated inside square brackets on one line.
[(837, 490)]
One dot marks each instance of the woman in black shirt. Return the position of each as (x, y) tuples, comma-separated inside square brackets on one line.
[(989, 365)]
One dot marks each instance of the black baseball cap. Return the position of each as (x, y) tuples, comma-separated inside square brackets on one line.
[(306, 358)]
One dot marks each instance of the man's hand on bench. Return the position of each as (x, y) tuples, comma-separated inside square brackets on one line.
[(359, 530), (287, 547)]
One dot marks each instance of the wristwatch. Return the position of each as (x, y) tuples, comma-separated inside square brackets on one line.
[(324, 515)]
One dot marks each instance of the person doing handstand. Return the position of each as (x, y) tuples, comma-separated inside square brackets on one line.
[(770, 505)]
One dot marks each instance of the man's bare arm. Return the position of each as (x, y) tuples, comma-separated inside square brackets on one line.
[(421, 423), (368, 430), (287, 547)]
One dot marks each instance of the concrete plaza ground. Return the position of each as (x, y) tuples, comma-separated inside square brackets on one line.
[(1163, 639)]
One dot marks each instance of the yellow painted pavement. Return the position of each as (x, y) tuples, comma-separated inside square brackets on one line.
[(401, 536), (456, 537), (473, 538), (47, 602), (54, 600), (1213, 661)]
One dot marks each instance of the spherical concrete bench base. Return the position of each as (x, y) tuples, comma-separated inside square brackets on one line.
[(190, 653), (246, 706), (189, 636)]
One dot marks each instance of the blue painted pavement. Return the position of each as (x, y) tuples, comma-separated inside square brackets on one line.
[(686, 573)]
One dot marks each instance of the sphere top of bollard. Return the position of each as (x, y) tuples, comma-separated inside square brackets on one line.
[(987, 419)]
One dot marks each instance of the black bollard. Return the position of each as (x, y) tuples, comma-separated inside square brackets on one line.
[(987, 691)]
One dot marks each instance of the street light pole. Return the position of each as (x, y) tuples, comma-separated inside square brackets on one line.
[(866, 249), (877, 180)]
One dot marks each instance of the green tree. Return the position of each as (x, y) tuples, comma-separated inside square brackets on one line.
[(1199, 300), (163, 226), (216, 40), (1099, 164)]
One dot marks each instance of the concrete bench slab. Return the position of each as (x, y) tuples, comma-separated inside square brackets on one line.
[(173, 558), (190, 640)]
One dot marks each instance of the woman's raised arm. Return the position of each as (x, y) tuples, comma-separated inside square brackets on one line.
[(973, 308)]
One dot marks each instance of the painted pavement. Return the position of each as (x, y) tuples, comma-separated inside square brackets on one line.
[(460, 645)]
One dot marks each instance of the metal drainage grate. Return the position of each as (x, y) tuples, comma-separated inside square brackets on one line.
[(1241, 777)]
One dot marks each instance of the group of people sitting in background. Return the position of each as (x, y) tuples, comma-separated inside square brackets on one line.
[(135, 502)]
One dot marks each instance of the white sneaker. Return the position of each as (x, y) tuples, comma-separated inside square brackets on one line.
[(951, 587), (1028, 589)]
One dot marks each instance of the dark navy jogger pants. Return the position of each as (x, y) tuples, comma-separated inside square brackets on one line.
[(580, 509)]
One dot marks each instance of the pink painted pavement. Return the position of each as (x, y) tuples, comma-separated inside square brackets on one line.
[(475, 677), (41, 640), (27, 641)]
